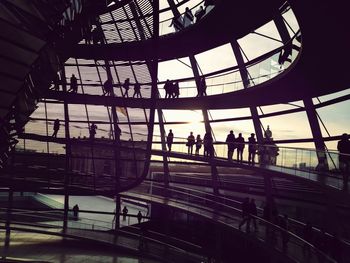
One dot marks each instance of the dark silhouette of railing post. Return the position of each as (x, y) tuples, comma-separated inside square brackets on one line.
[(68, 153), (214, 170)]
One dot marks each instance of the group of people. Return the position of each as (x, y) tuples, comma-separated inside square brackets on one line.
[(207, 143), (107, 87), (192, 141), (172, 89), (239, 144), (182, 21)]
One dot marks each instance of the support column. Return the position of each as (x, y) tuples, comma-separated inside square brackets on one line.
[(173, 8), (214, 171), (68, 153), (164, 148), (244, 75), (316, 134)]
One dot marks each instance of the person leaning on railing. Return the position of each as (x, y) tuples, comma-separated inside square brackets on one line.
[(344, 158)]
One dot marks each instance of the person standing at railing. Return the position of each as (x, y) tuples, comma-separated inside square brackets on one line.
[(126, 86), (137, 90), (93, 129), (208, 144), (107, 87), (139, 217), (188, 17), (175, 90), (73, 84), (76, 212), (168, 88), (240, 147), (199, 13), (199, 143), (56, 127), (251, 149), (344, 159), (170, 139), (125, 212), (245, 215), (230, 140), (190, 142), (253, 212)]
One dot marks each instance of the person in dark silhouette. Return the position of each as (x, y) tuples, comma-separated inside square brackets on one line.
[(170, 139), (199, 13), (240, 147), (93, 129), (253, 212), (167, 88), (344, 159), (56, 127), (307, 236), (208, 144), (175, 90), (107, 87), (56, 82), (190, 142), (285, 54), (230, 140), (188, 17), (125, 212), (73, 84), (245, 215), (202, 91), (76, 212), (137, 90), (126, 86), (139, 217), (199, 143), (283, 223), (251, 149)]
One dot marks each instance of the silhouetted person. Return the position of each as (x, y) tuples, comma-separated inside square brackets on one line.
[(307, 236), (188, 17), (170, 139), (253, 212), (230, 140), (168, 88), (199, 143), (107, 87), (202, 88), (208, 144), (251, 149), (126, 86), (190, 142), (344, 159), (76, 212), (125, 212), (56, 82), (175, 90), (56, 127), (199, 13), (97, 36), (139, 217), (73, 84), (285, 53), (137, 90), (245, 215), (284, 234), (240, 147), (93, 129), (176, 22)]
